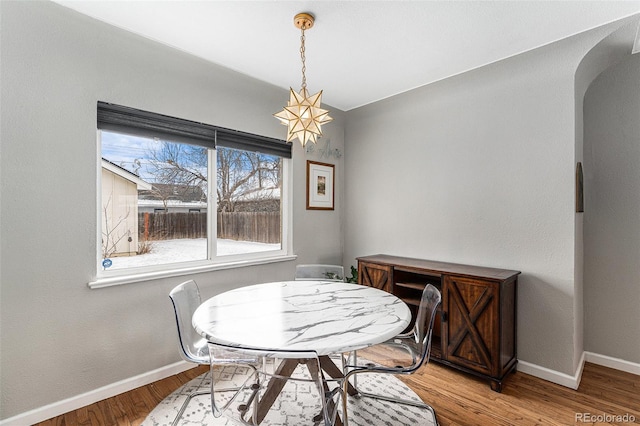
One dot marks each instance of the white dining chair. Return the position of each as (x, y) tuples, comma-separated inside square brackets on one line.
[(320, 272), (193, 347), (416, 344)]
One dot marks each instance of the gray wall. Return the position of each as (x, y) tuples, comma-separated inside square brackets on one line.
[(60, 338), (479, 169), (612, 212)]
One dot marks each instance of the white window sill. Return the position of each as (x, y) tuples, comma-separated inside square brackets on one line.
[(184, 271)]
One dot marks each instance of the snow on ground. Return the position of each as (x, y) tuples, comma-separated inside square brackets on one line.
[(184, 250)]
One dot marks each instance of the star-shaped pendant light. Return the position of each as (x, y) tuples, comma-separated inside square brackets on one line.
[(303, 114)]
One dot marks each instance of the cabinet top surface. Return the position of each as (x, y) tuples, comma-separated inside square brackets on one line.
[(440, 267)]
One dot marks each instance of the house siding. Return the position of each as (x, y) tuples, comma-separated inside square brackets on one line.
[(120, 209)]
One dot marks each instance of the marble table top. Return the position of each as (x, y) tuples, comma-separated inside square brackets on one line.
[(321, 316)]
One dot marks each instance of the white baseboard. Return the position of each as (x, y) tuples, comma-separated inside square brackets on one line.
[(57, 408), (574, 381), (553, 376), (616, 363)]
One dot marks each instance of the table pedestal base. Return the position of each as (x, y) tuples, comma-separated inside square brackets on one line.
[(286, 369)]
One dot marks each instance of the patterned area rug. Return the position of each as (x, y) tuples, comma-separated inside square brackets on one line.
[(296, 405)]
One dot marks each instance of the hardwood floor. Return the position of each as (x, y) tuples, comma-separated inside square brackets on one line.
[(457, 398), (127, 409), (527, 400)]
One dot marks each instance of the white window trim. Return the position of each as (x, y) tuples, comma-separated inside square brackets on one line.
[(214, 263), (184, 271)]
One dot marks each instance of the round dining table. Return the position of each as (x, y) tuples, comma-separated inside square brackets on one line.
[(324, 317)]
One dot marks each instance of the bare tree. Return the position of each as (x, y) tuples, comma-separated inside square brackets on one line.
[(241, 175), (245, 176), (112, 233)]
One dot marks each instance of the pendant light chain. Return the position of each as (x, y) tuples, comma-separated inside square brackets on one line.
[(302, 56)]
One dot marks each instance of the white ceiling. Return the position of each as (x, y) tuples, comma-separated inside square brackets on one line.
[(358, 52)]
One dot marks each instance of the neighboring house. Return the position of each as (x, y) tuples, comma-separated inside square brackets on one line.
[(172, 198), (120, 210), (171, 206), (260, 200), (175, 198)]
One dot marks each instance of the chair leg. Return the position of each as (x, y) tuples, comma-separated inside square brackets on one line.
[(218, 411), (252, 401), (403, 402), (355, 362), (329, 407), (381, 397), (345, 395), (396, 400), (186, 403), (192, 395)]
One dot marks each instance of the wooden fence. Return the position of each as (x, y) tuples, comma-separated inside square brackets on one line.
[(263, 227)]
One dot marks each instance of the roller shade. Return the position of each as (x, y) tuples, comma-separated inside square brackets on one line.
[(121, 119)]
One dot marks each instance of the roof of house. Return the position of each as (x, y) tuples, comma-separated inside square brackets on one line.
[(125, 174)]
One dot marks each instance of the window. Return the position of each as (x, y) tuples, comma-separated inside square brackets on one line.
[(176, 193)]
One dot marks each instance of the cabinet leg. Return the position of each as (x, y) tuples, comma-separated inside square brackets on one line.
[(496, 386)]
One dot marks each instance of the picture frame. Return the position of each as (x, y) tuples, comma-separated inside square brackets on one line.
[(320, 185)]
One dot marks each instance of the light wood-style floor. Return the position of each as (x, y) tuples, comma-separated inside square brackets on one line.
[(458, 399)]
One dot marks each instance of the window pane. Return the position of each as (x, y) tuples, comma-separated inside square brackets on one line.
[(154, 201), (249, 209)]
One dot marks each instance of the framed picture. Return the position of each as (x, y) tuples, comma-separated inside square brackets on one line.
[(320, 185)]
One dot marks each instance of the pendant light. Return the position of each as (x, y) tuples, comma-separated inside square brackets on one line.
[(303, 114)]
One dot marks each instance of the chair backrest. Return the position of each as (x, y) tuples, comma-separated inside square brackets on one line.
[(186, 299), (320, 272), (423, 327)]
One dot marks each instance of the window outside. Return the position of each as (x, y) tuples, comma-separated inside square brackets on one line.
[(157, 207)]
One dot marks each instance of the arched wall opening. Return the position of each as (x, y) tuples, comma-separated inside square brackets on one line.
[(607, 292)]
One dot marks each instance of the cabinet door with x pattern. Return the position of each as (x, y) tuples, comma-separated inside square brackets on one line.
[(471, 332), (375, 275)]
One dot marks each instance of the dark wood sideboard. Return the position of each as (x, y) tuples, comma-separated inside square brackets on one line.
[(475, 329)]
